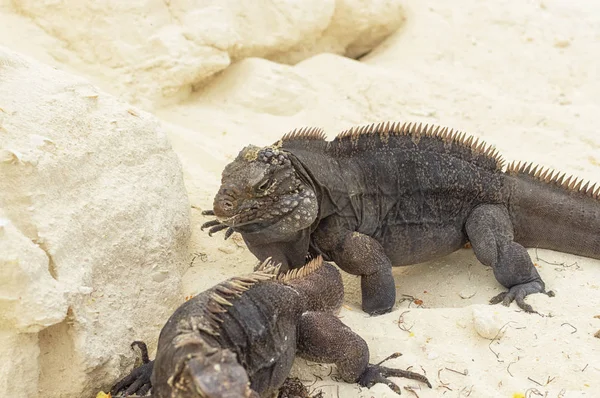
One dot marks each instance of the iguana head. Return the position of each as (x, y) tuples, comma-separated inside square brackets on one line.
[(262, 187), (215, 376)]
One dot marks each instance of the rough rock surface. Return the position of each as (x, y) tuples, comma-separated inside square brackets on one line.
[(94, 226), (163, 52)]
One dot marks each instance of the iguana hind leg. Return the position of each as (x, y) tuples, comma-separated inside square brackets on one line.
[(359, 254), (323, 338), (490, 232)]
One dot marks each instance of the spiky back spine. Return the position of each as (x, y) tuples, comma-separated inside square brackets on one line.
[(305, 133), (454, 142), (391, 134), (302, 272), (361, 139), (554, 178), (225, 292)]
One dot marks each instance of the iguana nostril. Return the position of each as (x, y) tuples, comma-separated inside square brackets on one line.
[(224, 206)]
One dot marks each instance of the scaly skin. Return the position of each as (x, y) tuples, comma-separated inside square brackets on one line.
[(392, 194), (239, 338)]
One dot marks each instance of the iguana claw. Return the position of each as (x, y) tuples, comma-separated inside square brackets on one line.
[(379, 374), (215, 225), (138, 381), (217, 228), (210, 223)]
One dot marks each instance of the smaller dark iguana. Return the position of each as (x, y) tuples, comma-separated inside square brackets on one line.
[(392, 194), (240, 338)]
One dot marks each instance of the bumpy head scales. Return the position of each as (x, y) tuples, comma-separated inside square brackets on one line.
[(268, 155), (218, 375), (262, 187)]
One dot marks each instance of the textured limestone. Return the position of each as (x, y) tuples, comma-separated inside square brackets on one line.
[(355, 28), (162, 53), (94, 226)]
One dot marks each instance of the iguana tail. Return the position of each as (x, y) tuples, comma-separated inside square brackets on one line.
[(550, 211)]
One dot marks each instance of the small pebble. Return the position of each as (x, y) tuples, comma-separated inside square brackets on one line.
[(486, 323)]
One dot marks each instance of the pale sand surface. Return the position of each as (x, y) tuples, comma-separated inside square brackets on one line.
[(521, 75)]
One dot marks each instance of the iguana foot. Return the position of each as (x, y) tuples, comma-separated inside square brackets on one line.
[(518, 293), (138, 381), (379, 374)]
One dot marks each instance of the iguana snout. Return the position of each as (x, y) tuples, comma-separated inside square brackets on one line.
[(225, 203)]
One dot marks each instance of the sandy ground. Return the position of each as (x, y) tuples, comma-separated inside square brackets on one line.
[(521, 75)]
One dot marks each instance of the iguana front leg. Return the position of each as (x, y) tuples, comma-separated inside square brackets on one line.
[(323, 338), (359, 254), (490, 232)]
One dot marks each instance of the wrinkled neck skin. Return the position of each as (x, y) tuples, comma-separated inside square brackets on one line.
[(326, 199), (321, 291), (287, 240)]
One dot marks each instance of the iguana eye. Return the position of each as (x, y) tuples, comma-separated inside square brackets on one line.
[(264, 185)]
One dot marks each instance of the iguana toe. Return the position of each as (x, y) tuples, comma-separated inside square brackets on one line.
[(216, 228), (375, 374), (518, 293), (137, 382), (210, 223)]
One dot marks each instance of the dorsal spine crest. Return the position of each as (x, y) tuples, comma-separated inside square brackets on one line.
[(552, 177), (450, 137), (305, 133), (225, 292), (301, 272)]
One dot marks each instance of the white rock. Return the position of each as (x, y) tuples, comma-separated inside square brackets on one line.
[(19, 353), (487, 322), (356, 27), (93, 203), (31, 299), (162, 53), (259, 85)]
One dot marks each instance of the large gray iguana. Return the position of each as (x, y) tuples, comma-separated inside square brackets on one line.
[(397, 194), (239, 338)]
